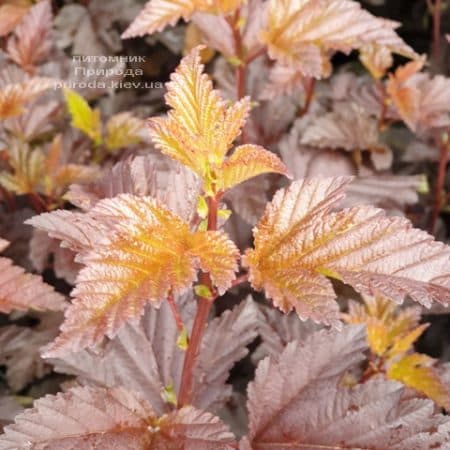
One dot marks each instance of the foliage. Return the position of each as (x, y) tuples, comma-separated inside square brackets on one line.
[(240, 258), (391, 334)]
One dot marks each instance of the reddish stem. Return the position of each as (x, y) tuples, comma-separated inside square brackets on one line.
[(175, 312), (239, 53), (383, 106), (240, 279), (200, 321), (437, 6), (241, 69), (373, 369), (240, 81), (440, 182), (310, 85), (252, 56), (39, 205)]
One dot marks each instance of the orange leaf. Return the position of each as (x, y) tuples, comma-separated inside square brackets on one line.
[(147, 253), (246, 162), (300, 241), (10, 16), (305, 34), (201, 127), (157, 14), (14, 96)]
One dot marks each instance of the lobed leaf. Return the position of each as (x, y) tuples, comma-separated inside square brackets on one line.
[(14, 96), (298, 401), (22, 291), (20, 352), (145, 358), (98, 418), (146, 253), (123, 130), (30, 43), (304, 33), (143, 176), (378, 189), (201, 128), (390, 331), (349, 128), (224, 343), (10, 16), (418, 371), (276, 330), (420, 100), (391, 334), (284, 80), (280, 385), (246, 162), (76, 231), (157, 14), (300, 241)]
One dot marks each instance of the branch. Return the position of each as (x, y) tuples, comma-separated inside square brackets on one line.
[(175, 312), (440, 182), (437, 31), (240, 280), (310, 84), (200, 321)]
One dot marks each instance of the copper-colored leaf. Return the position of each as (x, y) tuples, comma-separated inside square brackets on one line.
[(225, 342), (157, 14), (123, 130), (45, 252), (153, 175), (200, 128), (75, 230), (300, 240), (284, 80), (146, 358), (298, 401), (10, 16), (20, 351), (22, 291), (103, 419), (277, 330), (305, 33), (14, 97), (146, 253), (421, 101), (348, 127), (30, 43), (376, 59), (246, 162)]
